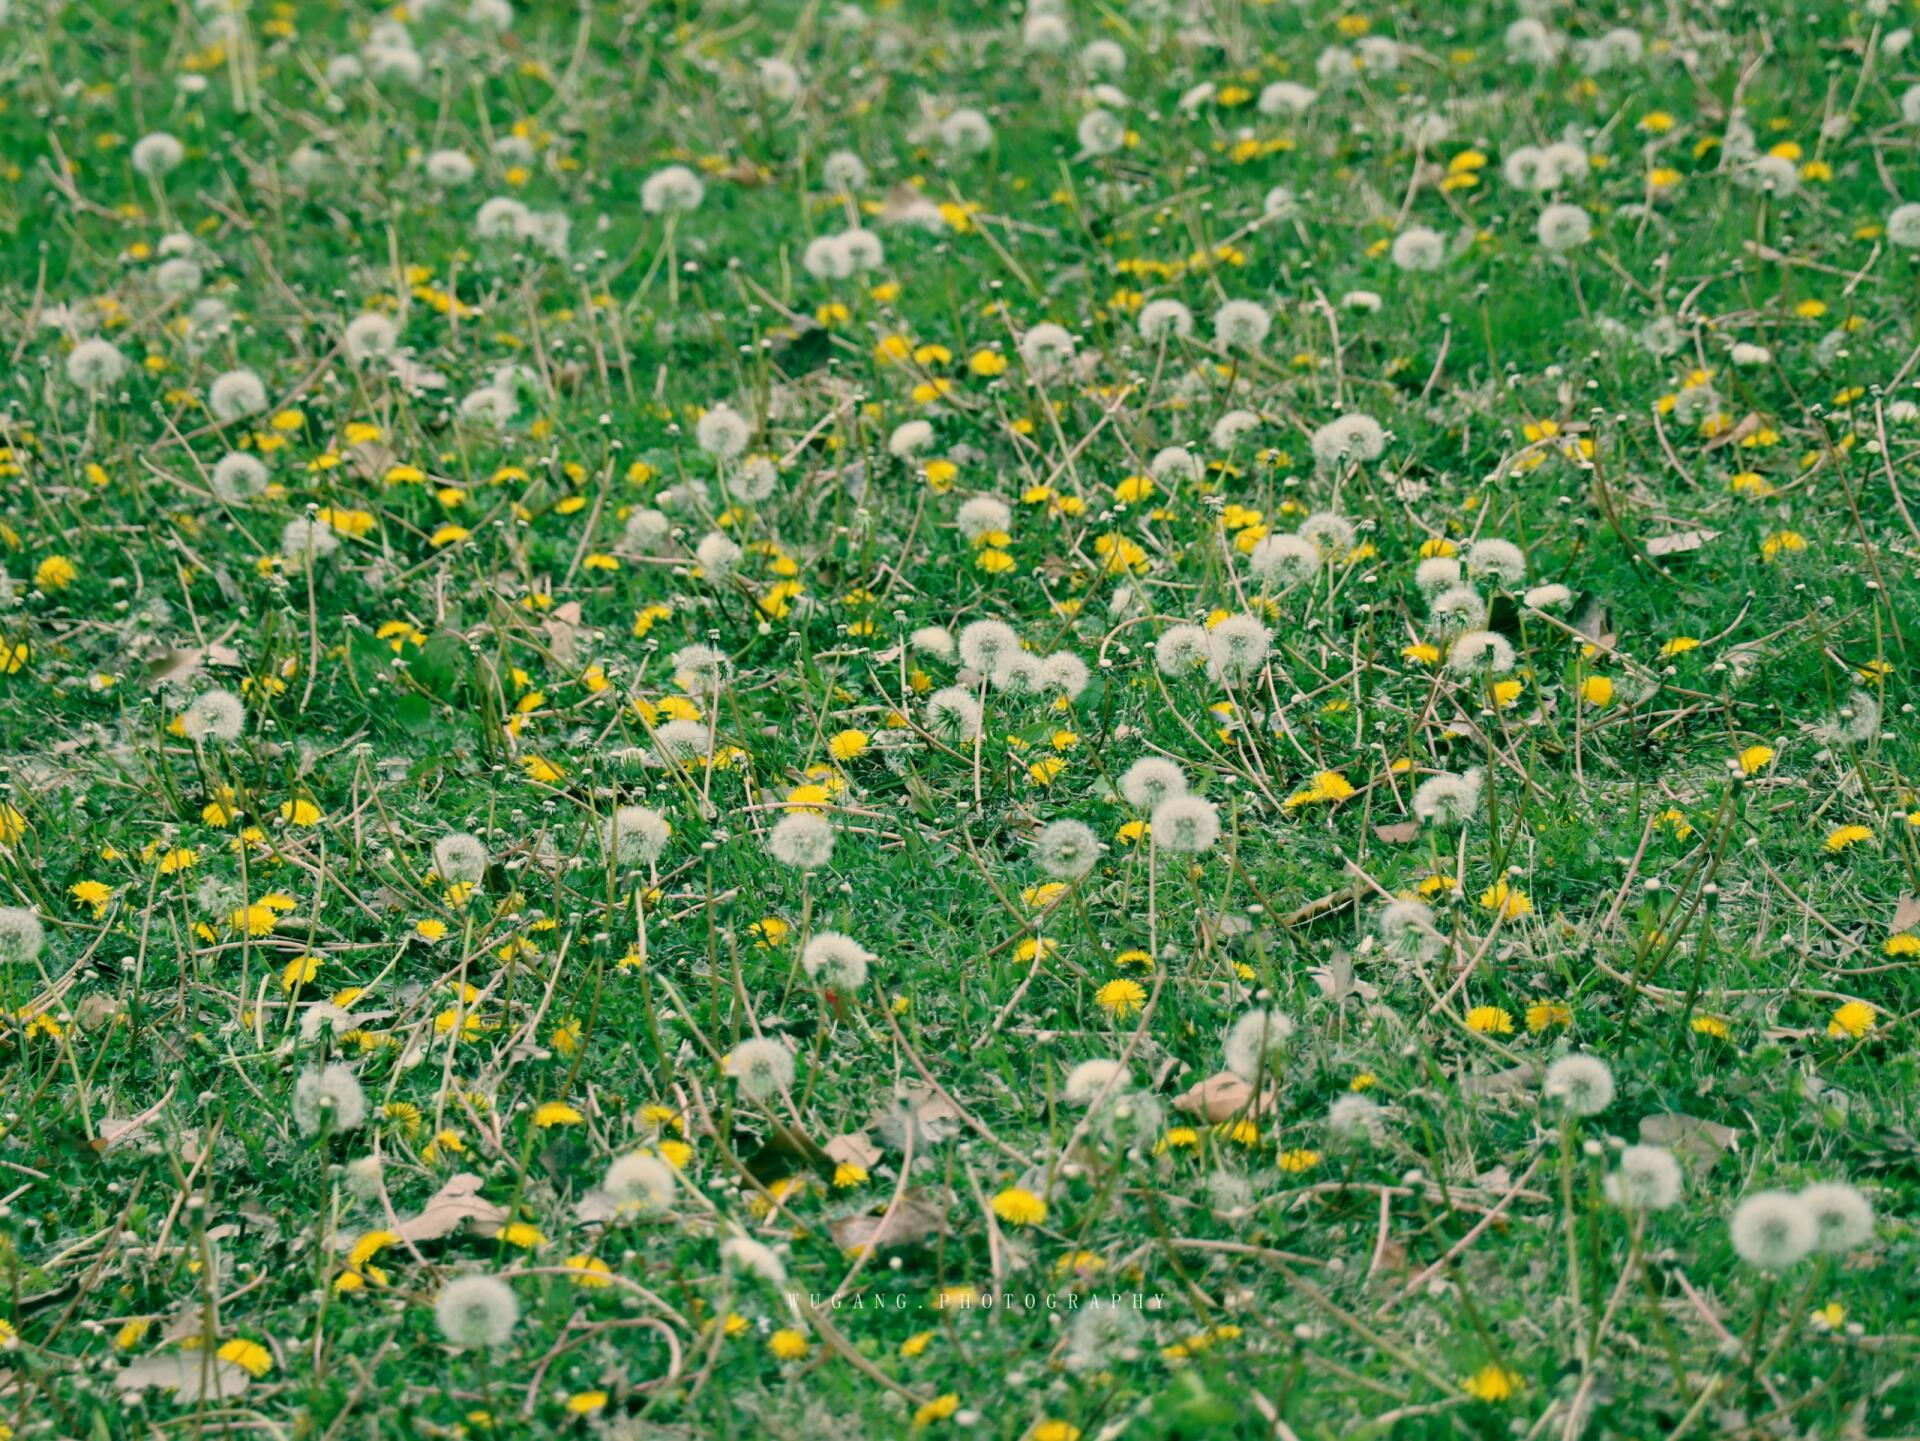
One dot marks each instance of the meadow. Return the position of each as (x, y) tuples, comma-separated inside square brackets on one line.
[(1049, 721)]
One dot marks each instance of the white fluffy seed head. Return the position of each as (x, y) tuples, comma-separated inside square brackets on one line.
[(236, 394), (1284, 561), (1151, 781), (952, 714), (723, 432), (1252, 1044), (1065, 672), (802, 840), (717, 555), (460, 859), (1066, 849), (1354, 437), (1842, 1215), (1185, 824), (1180, 649), (1773, 1230), (635, 835), (1418, 248), (371, 335), (156, 154), (1447, 799), (1480, 652), (640, 1184), (1435, 574), (1165, 319), (836, 960), (1456, 610), (933, 640), (216, 715), (1088, 1079), (95, 365), (1581, 1083), (761, 1067), (985, 645), (1648, 1178), (1237, 648), (1903, 225), (1332, 532), (328, 1097), (1497, 560), (1047, 350), (1241, 325), (21, 935), (303, 539), (674, 190), (982, 516), (476, 1312), (1563, 228)]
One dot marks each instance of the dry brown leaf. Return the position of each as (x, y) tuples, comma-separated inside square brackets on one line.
[(1399, 833), (917, 1215), (562, 625), (1500, 1083), (1906, 914), (1219, 1098), (1678, 543), (457, 1203), (1689, 1137), (177, 667), (855, 1148), (191, 1377)]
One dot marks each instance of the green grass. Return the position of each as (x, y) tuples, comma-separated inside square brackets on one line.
[(485, 654)]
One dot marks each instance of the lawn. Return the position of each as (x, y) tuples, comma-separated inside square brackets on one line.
[(1150, 719)]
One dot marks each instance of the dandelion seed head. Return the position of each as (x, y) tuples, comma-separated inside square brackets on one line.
[(460, 858), (1151, 781), (1647, 1178), (1066, 849), (477, 1312), (1581, 1083), (21, 935), (801, 840), (1842, 1215), (837, 961), (1773, 1230), (1253, 1042), (761, 1067), (328, 1097)]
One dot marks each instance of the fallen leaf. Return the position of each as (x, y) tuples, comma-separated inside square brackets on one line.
[(1218, 1098), (917, 1215), (1906, 914), (454, 1204), (1500, 1083), (177, 667), (190, 1376), (1679, 543), (1399, 833), (562, 625), (855, 1148), (1689, 1137)]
